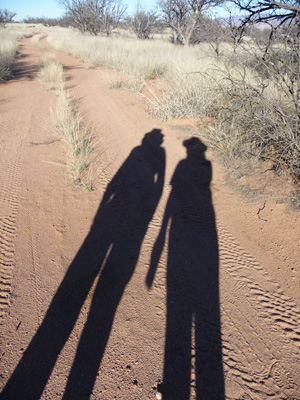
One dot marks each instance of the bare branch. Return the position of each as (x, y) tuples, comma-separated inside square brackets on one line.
[(143, 22), (6, 17)]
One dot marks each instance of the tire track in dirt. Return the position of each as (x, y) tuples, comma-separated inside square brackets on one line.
[(16, 120), (262, 357), (35, 276), (9, 204), (9, 207), (260, 324)]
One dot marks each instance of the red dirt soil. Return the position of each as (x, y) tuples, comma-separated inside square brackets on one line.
[(163, 281)]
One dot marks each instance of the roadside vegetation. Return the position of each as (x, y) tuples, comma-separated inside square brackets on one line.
[(141, 60), (8, 52), (9, 35), (253, 102), (68, 123)]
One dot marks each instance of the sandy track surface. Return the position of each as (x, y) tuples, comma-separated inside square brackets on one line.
[(164, 278)]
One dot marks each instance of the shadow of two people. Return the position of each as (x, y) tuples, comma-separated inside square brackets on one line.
[(108, 257)]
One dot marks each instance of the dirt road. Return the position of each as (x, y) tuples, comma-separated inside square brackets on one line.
[(164, 279)]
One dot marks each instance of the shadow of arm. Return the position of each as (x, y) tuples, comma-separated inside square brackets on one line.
[(156, 252)]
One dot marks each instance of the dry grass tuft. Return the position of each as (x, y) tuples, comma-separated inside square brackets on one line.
[(126, 82), (68, 123), (50, 70), (8, 52), (190, 96), (77, 137)]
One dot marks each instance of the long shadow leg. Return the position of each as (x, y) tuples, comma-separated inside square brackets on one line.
[(177, 364), (95, 335), (32, 373), (209, 367)]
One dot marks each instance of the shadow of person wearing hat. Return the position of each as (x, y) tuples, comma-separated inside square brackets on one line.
[(193, 355), (105, 261)]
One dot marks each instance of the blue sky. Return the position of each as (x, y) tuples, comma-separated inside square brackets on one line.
[(49, 8)]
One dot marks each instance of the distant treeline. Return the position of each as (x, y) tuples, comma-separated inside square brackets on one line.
[(63, 21)]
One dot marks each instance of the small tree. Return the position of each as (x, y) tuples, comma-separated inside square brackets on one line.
[(78, 12), (233, 29), (113, 13), (6, 17), (184, 16), (143, 22), (94, 15), (209, 30)]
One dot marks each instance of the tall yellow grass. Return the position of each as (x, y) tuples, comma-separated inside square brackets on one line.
[(8, 51)]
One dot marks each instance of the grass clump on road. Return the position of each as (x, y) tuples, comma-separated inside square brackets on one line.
[(50, 70), (68, 123), (69, 126)]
